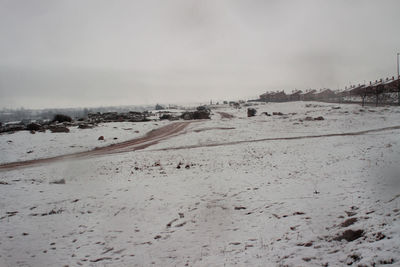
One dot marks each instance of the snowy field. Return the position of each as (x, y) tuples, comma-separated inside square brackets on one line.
[(23, 145), (212, 196)]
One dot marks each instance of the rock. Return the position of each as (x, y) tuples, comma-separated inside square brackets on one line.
[(251, 112), (320, 118), (348, 222), (12, 128), (187, 116), (61, 181), (85, 126), (308, 119), (59, 129), (201, 115), (203, 108), (62, 118), (34, 127), (166, 117), (277, 113), (349, 235), (100, 138), (196, 115)]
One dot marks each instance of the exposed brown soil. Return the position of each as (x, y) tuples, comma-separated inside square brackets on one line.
[(151, 138), (225, 115)]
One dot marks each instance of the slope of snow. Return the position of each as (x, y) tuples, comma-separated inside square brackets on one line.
[(272, 203)]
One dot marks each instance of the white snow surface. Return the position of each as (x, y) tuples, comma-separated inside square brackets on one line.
[(265, 203), (23, 145)]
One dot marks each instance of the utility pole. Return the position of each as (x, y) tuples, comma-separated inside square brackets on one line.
[(398, 80)]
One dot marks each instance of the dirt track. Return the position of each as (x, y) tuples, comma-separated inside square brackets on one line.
[(151, 138), (225, 115)]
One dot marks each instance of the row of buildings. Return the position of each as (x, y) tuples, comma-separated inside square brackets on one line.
[(378, 90)]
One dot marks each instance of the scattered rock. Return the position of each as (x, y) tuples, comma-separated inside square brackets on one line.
[(320, 118), (251, 112), (307, 244), (389, 261), (349, 235), (101, 259), (350, 213), (61, 181), (33, 127), (352, 259), (171, 222), (277, 113), (196, 115), (100, 138), (180, 225), (59, 129), (348, 222), (62, 118), (240, 208), (379, 236), (85, 126)]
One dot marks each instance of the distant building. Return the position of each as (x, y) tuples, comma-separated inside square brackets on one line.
[(279, 96), (325, 94), (295, 95), (307, 96)]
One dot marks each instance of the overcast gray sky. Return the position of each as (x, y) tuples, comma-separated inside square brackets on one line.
[(90, 53)]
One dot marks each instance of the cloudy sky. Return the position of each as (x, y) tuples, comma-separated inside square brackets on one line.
[(70, 53)]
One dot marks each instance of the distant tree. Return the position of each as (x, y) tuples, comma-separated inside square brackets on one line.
[(159, 107)]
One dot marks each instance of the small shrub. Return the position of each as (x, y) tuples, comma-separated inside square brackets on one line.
[(62, 118)]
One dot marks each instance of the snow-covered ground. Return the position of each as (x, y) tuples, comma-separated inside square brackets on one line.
[(23, 145), (267, 203)]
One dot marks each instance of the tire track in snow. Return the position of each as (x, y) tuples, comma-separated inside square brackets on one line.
[(282, 138)]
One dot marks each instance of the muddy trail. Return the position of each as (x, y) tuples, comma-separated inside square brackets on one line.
[(151, 138), (225, 115), (282, 138)]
